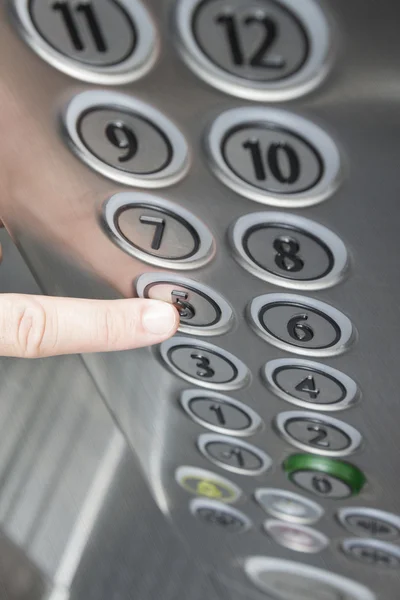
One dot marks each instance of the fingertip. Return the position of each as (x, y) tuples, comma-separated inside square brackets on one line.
[(160, 319)]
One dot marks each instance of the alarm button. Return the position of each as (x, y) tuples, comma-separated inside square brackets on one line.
[(287, 580), (324, 477), (201, 482)]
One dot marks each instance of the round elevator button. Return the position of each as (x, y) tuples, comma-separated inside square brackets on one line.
[(219, 515), (201, 482), (220, 413), (310, 384), (288, 506), (125, 139), (317, 433), (234, 455), (273, 157), (288, 250), (100, 41), (204, 364), (287, 580), (264, 50), (301, 325), (296, 537), (370, 522), (324, 477), (157, 231), (372, 553), (202, 310)]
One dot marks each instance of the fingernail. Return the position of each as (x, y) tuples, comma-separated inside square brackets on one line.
[(159, 319)]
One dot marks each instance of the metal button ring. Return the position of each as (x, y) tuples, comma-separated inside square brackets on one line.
[(370, 522), (100, 41), (204, 364), (217, 514), (125, 139), (310, 384), (202, 310), (301, 582), (157, 231), (301, 325), (261, 50), (273, 156), (220, 413), (316, 433), (372, 552), (234, 455), (289, 251)]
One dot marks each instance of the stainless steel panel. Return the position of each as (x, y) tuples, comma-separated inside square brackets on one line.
[(51, 202)]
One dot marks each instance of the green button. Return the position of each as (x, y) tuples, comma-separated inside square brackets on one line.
[(324, 477)]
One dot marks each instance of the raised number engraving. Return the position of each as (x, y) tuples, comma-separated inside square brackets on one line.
[(205, 371), (71, 25), (308, 386), (286, 254), (237, 454), (321, 484), (260, 58), (122, 137), (300, 331), (219, 414), (318, 440), (185, 309), (281, 159), (159, 225)]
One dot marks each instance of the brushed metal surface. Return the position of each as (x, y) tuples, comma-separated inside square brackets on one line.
[(51, 204)]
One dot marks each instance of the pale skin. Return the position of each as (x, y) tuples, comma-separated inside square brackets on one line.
[(40, 326)]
